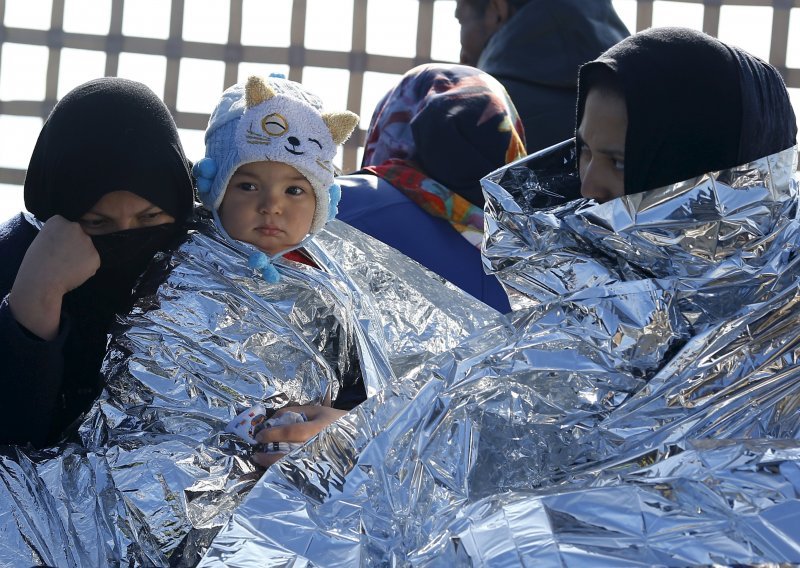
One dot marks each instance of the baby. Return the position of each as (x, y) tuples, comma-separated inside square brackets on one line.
[(268, 175), (268, 180)]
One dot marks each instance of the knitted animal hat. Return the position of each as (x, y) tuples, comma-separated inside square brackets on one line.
[(274, 120)]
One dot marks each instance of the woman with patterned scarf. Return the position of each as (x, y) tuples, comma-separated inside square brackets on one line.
[(430, 141)]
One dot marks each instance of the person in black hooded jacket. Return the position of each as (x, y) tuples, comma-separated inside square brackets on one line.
[(109, 180), (534, 48), (668, 104)]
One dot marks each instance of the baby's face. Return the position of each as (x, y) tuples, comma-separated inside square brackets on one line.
[(601, 143), (269, 205)]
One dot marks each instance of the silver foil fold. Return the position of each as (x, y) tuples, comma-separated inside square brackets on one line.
[(150, 475), (640, 406)]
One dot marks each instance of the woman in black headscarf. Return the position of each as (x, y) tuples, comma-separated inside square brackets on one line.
[(109, 179), (668, 104)]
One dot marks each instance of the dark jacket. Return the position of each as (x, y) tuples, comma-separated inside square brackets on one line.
[(536, 56), (42, 391), (47, 385)]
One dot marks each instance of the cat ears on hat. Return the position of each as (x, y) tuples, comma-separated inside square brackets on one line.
[(341, 124)]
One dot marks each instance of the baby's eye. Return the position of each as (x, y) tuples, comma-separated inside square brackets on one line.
[(294, 190), (247, 186)]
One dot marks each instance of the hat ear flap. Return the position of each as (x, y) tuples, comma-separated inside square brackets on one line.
[(257, 91), (334, 196), (341, 125)]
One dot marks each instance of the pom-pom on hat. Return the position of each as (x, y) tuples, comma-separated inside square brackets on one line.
[(275, 120)]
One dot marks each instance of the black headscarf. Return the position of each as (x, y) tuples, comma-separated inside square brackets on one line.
[(106, 135), (695, 105)]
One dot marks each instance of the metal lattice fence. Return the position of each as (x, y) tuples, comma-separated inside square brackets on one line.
[(432, 35)]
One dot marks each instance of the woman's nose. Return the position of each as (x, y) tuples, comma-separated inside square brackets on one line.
[(125, 223), (592, 186)]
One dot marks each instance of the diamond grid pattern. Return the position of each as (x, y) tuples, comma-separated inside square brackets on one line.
[(295, 56)]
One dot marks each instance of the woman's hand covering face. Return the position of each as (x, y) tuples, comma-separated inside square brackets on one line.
[(60, 259)]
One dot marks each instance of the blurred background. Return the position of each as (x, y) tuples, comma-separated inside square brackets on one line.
[(350, 52)]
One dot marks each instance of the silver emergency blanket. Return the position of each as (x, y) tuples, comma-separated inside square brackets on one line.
[(640, 408), (151, 475)]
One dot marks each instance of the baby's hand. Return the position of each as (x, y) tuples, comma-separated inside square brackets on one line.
[(280, 437)]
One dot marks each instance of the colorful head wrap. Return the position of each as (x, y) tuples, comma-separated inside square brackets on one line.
[(454, 123)]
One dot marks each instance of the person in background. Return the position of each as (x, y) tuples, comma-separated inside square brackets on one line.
[(430, 141), (534, 48), (110, 182)]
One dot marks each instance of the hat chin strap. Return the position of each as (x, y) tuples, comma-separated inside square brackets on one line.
[(323, 215), (261, 261)]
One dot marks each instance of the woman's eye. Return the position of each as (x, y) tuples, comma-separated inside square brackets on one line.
[(151, 216), (92, 223), (619, 165)]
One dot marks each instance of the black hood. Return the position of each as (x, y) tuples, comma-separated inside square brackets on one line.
[(106, 135), (695, 105)]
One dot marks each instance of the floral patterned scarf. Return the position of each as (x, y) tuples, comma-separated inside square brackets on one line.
[(437, 133), (434, 198)]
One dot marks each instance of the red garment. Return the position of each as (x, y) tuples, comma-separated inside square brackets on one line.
[(299, 256)]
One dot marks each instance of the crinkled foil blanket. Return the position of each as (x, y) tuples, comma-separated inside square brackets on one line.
[(151, 476), (639, 409)]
